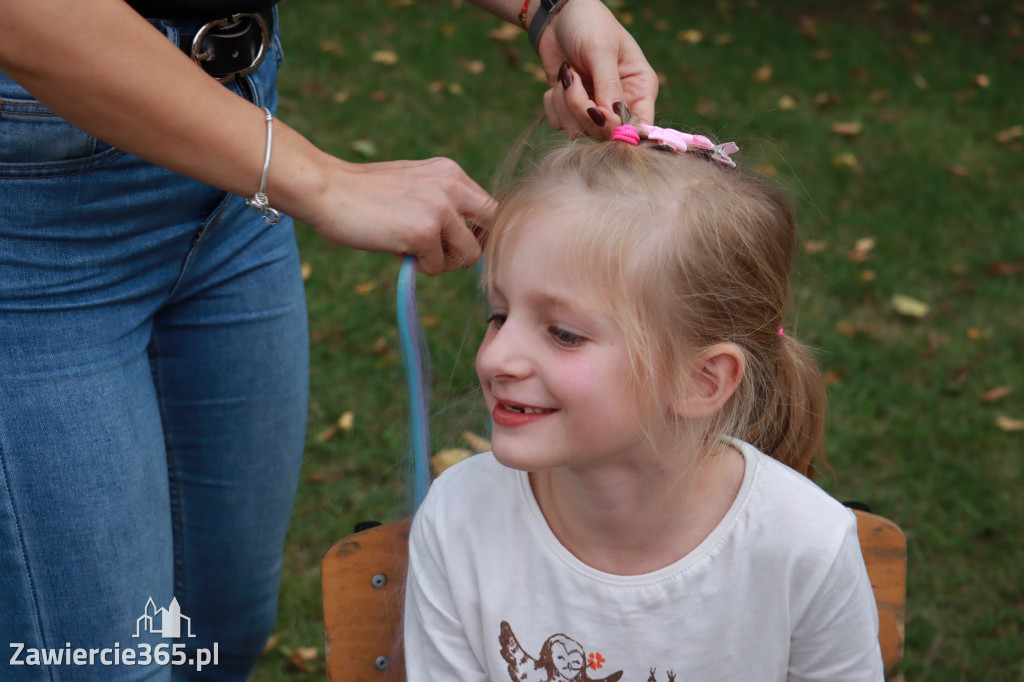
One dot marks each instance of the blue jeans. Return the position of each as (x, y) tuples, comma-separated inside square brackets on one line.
[(154, 371)]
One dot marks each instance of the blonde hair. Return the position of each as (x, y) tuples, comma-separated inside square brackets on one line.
[(683, 253)]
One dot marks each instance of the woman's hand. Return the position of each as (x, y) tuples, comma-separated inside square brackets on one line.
[(426, 209), (606, 71)]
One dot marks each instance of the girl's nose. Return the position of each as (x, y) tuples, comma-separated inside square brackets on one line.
[(503, 354)]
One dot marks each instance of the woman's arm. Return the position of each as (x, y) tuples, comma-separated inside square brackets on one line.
[(103, 68)]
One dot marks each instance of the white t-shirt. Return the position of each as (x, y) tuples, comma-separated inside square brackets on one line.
[(777, 592)]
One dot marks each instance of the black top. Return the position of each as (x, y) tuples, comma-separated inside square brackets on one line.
[(197, 9)]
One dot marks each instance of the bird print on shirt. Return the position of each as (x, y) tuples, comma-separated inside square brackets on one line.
[(561, 659)]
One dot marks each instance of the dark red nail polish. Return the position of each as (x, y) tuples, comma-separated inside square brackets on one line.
[(621, 110), (596, 116), (565, 75)]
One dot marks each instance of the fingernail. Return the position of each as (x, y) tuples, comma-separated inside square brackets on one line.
[(565, 75), (596, 116), (621, 110)]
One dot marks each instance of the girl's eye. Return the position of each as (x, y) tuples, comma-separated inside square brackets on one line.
[(566, 338), (496, 320)]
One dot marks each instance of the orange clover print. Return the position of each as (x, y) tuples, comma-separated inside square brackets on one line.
[(595, 661)]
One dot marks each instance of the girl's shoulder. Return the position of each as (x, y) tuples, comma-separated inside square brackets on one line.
[(475, 486), (781, 500)]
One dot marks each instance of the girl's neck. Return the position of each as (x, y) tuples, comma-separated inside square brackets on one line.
[(636, 522)]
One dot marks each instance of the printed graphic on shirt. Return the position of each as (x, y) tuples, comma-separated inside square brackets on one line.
[(561, 659)]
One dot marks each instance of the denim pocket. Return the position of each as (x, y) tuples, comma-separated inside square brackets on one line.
[(35, 142)]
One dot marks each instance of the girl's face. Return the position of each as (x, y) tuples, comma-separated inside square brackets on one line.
[(555, 371)]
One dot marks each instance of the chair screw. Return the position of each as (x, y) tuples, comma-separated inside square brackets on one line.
[(379, 581), (381, 663)]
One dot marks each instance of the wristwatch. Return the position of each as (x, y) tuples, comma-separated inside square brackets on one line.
[(546, 10)]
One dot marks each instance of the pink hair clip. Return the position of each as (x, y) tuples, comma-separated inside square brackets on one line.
[(681, 142), (626, 133)]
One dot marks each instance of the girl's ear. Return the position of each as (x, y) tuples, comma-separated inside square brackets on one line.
[(709, 381)]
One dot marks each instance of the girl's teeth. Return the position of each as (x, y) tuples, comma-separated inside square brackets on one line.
[(525, 410)]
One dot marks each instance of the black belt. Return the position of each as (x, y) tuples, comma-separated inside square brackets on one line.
[(230, 47)]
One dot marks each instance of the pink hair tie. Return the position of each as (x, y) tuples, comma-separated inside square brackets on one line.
[(626, 133), (782, 331)]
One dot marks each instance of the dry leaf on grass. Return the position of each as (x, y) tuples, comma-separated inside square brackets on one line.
[(365, 288), (994, 394), (1010, 134), (847, 129), (447, 458), (506, 33), (862, 250), (477, 443), (386, 57), (347, 420), (909, 307), (1007, 424)]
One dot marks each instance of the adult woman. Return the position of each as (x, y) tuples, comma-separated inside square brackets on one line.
[(153, 346)]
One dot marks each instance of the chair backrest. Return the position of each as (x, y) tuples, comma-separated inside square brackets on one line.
[(363, 576), (363, 579)]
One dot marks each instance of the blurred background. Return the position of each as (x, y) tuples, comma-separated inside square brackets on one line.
[(897, 129)]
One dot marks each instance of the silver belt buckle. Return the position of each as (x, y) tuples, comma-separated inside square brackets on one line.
[(235, 21)]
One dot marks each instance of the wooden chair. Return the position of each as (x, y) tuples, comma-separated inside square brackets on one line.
[(363, 576)]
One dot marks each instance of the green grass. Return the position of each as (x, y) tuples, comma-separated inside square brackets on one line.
[(941, 197)]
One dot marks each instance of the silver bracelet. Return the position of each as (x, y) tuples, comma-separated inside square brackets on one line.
[(259, 202)]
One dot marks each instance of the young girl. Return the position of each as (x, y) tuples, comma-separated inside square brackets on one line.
[(644, 513)]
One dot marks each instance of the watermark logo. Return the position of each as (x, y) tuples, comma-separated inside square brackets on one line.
[(169, 623), (165, 622)]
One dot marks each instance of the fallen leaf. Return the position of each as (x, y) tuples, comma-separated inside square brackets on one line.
[(307, 270), (815, 246), (379, 346), (478, 443), (455, 89), (706, 107), (428, 321), (347, 420), (832, 377), (691, 36), (958, 170), (332, 47), (386, 57), (367, 148), (1007, 424), (766, 169), (474, 66), (994, 394), (1002, 268), (537, 71), (868, 276), (922, 37), (1010, 134), (862, 249), (310, 88), (919, 81), (626, 18), (975, 334), (380, 95), (764, 74), (879, 96), (506, 33), (447, 458), (847, 129), (847, 160), (723, 39), (302, 657), (342, 96), (661, 26), (808, 28), (787, 103), (980, 80), (448, 29), (821, 54), (909, 307), (326, 434), (365, 288), (827, 99), (272, 643)]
